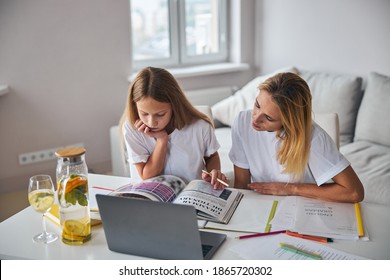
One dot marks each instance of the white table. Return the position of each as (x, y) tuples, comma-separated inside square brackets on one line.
[(17, 232)]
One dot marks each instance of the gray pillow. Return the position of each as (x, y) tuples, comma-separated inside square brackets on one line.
[(336, 93), (374, 114)]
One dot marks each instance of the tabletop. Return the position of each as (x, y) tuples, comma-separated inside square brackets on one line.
[(17, 231)]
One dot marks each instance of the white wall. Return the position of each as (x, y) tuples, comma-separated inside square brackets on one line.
[(67, 64), (344, 36)]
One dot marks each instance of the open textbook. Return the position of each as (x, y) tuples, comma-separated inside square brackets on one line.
[(211, 205)]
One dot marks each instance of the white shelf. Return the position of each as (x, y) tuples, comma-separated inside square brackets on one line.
[(4, 89)]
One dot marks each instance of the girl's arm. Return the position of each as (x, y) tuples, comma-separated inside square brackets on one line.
[(213, 166), (156, 162)]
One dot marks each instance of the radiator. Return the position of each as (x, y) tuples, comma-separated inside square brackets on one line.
[(209, 96)]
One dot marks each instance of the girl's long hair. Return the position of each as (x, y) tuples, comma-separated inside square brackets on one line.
[(292, 95), (160, 85)]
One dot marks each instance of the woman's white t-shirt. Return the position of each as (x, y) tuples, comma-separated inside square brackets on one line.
[(187, 148), (257, 151)]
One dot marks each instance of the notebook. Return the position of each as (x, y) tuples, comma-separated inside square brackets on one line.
[(155, 229)]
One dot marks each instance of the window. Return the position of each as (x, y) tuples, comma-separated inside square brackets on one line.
[(175, 33)]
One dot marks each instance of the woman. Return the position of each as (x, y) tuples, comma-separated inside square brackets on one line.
[(278, 150)]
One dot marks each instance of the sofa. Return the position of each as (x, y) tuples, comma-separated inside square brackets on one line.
[(363, 109)]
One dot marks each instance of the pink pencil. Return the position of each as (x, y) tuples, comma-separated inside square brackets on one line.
[(102, 188), (260, 234)]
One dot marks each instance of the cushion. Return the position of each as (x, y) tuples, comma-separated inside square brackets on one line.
[(336, 93), (227, 109), (371, 164), (373, 118)]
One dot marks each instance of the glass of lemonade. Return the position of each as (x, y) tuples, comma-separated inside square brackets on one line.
[(41, 198)]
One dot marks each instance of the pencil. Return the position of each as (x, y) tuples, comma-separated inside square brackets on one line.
[(359, 220), (219, 180), (310, 237), (260, 234), (103, 188), (298, 251)]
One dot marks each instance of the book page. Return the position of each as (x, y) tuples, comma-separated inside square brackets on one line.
[(285, 213), (251, 216), (161, 188), (209, 202)]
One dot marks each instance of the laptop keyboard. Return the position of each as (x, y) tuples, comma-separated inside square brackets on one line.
[(206, 249)]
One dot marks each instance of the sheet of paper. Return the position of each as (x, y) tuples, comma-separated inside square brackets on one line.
[(256, 212), (285, 214), (268, 248), (328, 219)]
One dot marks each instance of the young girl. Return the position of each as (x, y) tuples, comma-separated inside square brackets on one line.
[(165, 134), (277, 149)]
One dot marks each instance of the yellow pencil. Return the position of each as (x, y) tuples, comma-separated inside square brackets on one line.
[(359, 220)]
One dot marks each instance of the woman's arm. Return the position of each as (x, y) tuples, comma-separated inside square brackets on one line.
[(242, 177), (346, 188)]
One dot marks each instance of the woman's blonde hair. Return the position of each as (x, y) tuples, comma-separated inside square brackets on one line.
[(160, 85), (292, 95)]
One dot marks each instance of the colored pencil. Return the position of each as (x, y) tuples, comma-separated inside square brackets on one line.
[(219, 180), (359, 220), (260, 234), (103, 188), (298, 251), (271, 216), (310, 237)]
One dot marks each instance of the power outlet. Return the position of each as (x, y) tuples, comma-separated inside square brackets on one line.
[(42, 155)]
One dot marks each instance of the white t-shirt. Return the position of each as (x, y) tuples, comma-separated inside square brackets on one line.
[(186, 148), (257, 151)]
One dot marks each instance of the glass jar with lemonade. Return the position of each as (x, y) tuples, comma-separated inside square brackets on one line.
[(72, 191)]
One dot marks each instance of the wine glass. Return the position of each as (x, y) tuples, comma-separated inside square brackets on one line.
[(41, 198)]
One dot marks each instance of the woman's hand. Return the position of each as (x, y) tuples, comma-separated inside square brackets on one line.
[(272, 188), (215, 177)]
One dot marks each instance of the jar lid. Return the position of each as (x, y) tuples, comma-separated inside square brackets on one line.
[(70, 152)]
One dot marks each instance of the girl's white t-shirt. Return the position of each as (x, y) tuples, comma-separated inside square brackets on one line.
[(187, 148), (257, 151)]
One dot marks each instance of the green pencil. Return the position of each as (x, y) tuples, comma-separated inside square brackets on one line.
[(298, 251)]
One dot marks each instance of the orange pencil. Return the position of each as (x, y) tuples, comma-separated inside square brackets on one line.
[(310, 237)]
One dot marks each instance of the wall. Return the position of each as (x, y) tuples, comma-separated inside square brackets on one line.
[(67, 63), (349, 36)]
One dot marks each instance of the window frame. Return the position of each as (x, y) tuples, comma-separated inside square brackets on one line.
[(178, 57)]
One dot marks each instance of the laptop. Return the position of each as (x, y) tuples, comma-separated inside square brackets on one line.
[(155, 229)]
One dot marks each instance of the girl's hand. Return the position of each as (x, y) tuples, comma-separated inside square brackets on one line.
[(142, 127), (216, 178)]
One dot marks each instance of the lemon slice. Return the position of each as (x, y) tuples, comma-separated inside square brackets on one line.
[(41, 201), (74, 227)]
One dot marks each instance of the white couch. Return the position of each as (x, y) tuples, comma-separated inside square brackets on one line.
[(364, 122)]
